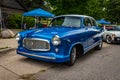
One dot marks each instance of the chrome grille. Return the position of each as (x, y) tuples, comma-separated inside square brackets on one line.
[(36, 44)]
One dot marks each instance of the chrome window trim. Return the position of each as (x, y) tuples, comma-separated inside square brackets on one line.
[(38, 40)]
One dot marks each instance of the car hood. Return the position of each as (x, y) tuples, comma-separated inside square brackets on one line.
[(117, 33), (50, 32)]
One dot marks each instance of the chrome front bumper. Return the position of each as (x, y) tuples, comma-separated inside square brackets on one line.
[(34, 55)]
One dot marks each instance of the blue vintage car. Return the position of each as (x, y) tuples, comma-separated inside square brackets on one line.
[(66, 38)]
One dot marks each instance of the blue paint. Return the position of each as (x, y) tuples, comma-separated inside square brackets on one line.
[(70, 36)]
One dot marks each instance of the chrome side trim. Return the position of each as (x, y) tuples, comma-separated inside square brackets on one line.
[(91, 46), (40, 40), (52, 58)]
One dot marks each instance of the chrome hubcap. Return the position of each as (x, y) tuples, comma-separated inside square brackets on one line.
[(73, 55), (108, 39)]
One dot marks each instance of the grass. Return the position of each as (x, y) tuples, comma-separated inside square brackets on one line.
[(4, 47), (30, 76), (27, 77)]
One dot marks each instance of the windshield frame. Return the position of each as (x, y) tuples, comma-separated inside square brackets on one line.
[(73, 18)]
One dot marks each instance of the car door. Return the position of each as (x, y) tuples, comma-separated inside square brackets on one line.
[(95, 31), (89, 32)]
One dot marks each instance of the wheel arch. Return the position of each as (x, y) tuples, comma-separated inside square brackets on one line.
[(79, 48), (107, 35)]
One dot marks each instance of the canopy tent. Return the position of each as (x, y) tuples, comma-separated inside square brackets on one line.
[(102, 21), (39, 13)]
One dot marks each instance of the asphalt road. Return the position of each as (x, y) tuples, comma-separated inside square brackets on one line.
[(95, 65)]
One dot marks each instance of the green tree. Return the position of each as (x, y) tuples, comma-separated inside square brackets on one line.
[(32, 4), (14, 21), (85, 7), (113, 10)]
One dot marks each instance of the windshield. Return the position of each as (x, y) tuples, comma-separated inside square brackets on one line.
[(113, 28), (66, 22)]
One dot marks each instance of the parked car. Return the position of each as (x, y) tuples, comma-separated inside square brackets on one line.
[(111, 34), (67, 37)]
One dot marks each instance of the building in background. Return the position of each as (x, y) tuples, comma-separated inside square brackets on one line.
[(8, 7)]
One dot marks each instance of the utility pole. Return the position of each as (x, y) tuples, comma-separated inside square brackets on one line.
[(0, 19), (0, 15)]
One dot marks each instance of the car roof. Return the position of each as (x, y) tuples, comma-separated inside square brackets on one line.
[(73, 15)]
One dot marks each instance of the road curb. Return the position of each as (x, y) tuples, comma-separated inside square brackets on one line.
[(7, 50)]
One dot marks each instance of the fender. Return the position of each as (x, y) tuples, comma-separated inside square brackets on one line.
[(74, 45)]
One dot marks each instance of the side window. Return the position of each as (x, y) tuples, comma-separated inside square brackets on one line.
[(57, 21), (93, 22), (87, 22)]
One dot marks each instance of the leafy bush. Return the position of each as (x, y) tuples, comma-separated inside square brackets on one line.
[(15, 20), (29, 21)]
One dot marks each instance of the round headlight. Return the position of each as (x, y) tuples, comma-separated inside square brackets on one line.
[(56, 40), (18, 37)]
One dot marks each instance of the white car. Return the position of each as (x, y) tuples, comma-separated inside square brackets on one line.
[(111, 34)]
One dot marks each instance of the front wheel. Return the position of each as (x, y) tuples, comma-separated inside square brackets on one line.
[(72, 57), (108, 39)]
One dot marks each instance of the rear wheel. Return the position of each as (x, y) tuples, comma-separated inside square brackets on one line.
[(73, 55), (108, 39), (99, 47)]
